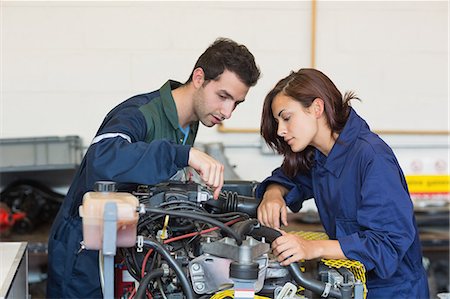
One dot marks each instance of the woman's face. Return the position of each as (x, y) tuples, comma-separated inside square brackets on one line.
[(297, 125)]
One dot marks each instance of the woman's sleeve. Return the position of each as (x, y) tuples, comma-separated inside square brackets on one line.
[(119, 152), (385, 218), (300, 188)]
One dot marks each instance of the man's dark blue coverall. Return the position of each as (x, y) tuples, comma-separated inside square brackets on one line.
[(139, 142)]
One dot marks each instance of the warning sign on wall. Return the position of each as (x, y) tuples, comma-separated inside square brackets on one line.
[(429, 190), (428, 184)]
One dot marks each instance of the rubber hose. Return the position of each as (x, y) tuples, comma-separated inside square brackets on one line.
[(243, 228), (140, 294), (315, 286), (174, 265)]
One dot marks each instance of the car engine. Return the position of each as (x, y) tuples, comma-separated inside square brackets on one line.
[(190, 245)]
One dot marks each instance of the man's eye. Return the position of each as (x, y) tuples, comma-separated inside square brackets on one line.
[(222, 97), (286, 118)]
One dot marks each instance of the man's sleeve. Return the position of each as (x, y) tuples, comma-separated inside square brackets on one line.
[(119, 152)]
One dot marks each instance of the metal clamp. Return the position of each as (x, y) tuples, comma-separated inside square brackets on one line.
[(140, 243), (287, 292), (326, 291), (141, 208)]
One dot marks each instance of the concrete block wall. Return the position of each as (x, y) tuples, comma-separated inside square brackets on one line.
[(65, 64)]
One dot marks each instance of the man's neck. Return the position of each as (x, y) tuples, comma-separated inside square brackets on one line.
[(184, 101)]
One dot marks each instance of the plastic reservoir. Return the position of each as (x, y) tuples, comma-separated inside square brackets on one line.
[(92, 213)]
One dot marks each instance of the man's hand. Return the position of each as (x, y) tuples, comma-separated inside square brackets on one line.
[(273, 207), (210, 170)]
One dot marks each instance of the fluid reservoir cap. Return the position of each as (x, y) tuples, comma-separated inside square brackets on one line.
[(105, 186)]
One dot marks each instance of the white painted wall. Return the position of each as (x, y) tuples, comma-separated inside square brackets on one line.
[(66, 64)]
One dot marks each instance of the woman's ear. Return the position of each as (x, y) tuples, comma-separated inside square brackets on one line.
[(198, 77), (318, 106)]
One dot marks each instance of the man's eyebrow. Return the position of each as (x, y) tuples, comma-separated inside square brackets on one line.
[(227, 94)]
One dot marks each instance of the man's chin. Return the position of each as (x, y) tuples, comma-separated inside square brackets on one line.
[(208, 124)]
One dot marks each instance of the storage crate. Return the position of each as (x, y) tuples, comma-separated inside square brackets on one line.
[(40, 153)]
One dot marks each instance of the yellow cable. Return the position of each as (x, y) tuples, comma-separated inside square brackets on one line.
[(230, 293)]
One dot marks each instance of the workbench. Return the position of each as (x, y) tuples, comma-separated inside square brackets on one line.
[(13, 270)]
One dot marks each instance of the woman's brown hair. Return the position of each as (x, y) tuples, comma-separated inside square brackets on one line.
[(304, 86)]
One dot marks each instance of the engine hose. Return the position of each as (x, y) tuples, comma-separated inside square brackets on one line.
[(316, 286), (243, 228), (233, 202), (140, 294), (173, 264), (199, 217)]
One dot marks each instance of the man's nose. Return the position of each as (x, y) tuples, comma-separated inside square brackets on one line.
[(227, 109)]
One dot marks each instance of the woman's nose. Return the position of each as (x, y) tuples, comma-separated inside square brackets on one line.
[(281, 130)]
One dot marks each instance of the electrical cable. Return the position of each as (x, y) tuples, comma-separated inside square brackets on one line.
[(126, 258), (183, 202), (198, 233), (144, 262), (159, 284), (200, 217), (100, 268), (193, 234)]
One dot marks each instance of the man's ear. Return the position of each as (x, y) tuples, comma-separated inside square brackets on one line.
[(318, 106), (198, 77)]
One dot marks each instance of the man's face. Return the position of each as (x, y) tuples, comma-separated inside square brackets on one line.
[(216, 100)]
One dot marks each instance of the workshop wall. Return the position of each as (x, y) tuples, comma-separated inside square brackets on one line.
[(66, 64)]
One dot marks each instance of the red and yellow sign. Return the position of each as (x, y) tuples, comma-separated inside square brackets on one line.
[(428, 184)]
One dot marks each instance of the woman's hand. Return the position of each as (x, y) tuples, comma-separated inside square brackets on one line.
[(210, 170), (290, 248), (273, 207)]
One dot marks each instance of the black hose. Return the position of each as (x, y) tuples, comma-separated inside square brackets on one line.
[(243, 228), (199, 217), (315, 286), (268, 233), (140, 294), (158, 247), (233, 202), (131, 268)]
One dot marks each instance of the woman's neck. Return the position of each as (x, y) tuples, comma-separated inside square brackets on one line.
[(325, 139)]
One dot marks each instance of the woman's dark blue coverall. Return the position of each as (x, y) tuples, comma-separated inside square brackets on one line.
[(363, 202), (139, 142)]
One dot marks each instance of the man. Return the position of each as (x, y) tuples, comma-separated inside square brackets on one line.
[(145, 140)]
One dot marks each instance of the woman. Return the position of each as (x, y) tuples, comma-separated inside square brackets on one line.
[(359, 189)]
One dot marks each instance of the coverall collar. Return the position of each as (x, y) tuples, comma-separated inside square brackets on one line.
[(170, 109), (335, 161)]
